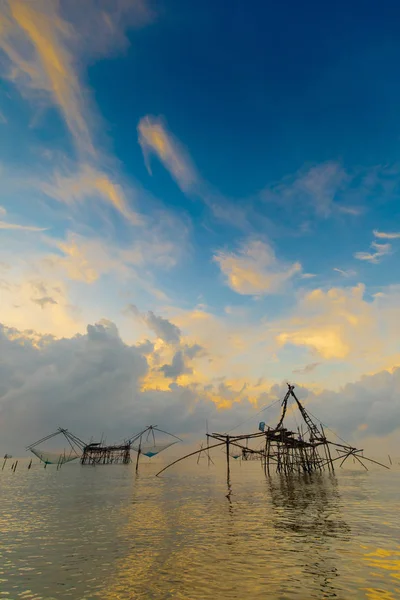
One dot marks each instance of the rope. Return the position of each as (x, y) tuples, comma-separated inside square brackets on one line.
[(254, 416)]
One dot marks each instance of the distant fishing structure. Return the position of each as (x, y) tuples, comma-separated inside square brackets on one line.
[(73, 451), (279, 449), (145, 443), (149, 442)]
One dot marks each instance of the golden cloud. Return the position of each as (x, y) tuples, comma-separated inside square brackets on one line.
[(254, 270)]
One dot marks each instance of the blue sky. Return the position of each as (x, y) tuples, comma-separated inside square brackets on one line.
[(233, 172)]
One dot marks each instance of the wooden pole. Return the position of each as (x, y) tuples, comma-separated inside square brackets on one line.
[(187, 456), (138, 454), (228, 473)]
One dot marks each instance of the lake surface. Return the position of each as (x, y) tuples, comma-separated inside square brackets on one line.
[(103, 532)]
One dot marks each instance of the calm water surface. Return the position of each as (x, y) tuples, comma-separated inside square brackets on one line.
[(103, 532)]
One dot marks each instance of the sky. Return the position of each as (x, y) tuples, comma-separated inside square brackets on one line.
[(197, 205)]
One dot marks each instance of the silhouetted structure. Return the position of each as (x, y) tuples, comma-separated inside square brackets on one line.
[(303, 451)]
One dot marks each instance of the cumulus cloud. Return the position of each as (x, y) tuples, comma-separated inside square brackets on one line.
[(332, 323), (254, 270), (93, 382), (177, 366), (163, 328)]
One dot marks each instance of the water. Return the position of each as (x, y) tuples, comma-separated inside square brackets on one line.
[(102, 532)]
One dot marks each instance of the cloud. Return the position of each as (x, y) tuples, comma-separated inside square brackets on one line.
[(46, 44), (307, 369), (89, 183), (254, 270), (374, 257), (44, 47), (386, 236), (177, 367), (154, 138), (348, 273), (43, 302), (163, 328), (14, 226), (31, 299), (332, 324), (356, 211), (36, 40), (317, 187), (88, 258), (46, 382)]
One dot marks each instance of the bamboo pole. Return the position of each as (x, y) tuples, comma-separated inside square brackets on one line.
[(187, 456)]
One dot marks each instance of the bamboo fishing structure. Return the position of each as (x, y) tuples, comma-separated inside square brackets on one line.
[(279, 449), (74, 450), (143, 443)]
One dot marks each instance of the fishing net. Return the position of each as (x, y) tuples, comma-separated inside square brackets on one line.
[(151, 449), (54, 458)]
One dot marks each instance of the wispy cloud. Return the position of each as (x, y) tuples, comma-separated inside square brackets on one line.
[(348, 273), (36, 40), (46, 45), (374, 257), (254, 270), (315, 187), (307, 369), (356, 211), (43, 302), (5, 225), (89, 182), (155, 138), (16, 226), (387, 235)]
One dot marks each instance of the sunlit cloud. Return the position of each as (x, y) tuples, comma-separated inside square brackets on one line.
[(6, 225), (45, 54), (386, 235), (374, 257), (89, 183), (17, 226), (346, 328), (36, 40), (154, 138), (254, 270)]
